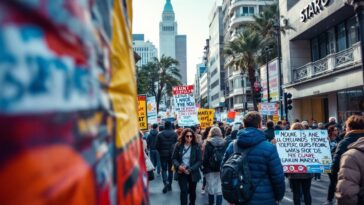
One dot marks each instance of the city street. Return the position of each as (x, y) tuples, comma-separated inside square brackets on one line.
[(318, 191)]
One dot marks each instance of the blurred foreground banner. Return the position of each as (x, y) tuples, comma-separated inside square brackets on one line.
[(68, 104)]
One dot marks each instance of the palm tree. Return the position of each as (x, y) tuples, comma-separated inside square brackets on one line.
[(266, 24), (158, 77), (242, 50)]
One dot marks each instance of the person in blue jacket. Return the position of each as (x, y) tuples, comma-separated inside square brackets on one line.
[(264, 163)]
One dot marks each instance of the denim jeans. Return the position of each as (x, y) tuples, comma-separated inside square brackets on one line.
[(167, 174), (188, 188), (301, 186), (154, 157)]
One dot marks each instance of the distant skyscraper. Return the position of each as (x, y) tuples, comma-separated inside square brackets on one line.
[(171, 44), (145, 49)]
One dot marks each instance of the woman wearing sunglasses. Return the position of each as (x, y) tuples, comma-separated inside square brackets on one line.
[(187, 159)]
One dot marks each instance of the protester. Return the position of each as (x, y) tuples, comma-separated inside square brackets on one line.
[(269, 132), (222, 128), (187, 159), (332, 121), (214, 151), (314, 125), (152, 147), (228, 129), (305, 125), (165, 142), (279, 126), (264, 163), (350, 187), (234, 133), (354, 131), (196, 130), (333, 134), (300, 183), (204, 139)]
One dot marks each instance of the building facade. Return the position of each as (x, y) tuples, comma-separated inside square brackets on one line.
[(171, 44), (237, 14), (145, 49), (200, 70), (322, 60), (181, 56), (216, 70)]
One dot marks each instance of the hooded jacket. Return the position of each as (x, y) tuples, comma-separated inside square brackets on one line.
[(350, 186), (342, 147), (165, 144), (152, 140), (209, 149), (264, 164)]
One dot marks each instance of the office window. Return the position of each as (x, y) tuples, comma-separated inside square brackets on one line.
[(323, 45), (341, 37), (315, 49), (353, 31), (331, 40)]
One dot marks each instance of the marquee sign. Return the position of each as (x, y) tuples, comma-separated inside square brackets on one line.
[(314, 8)]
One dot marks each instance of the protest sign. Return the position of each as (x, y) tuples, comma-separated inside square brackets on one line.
[(268, 108), (206, 117), (304, 151), (142, 112), (184, 105), (152, 110), (231, 116)]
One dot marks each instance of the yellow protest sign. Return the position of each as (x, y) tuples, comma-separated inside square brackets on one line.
[(206, 117), (142, 112)]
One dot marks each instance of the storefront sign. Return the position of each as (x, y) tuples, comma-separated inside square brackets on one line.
[(314, 8), (304, 151)]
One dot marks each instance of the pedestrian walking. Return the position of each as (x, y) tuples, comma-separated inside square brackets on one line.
[(187, 159), (350, 187), (333, 135), (266, 171), (152, 147), (354, 130), (300, 183), (165, 143), (269, 131), (204, 139), (214, 152)]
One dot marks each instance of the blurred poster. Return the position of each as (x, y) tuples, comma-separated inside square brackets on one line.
[(152, 110)]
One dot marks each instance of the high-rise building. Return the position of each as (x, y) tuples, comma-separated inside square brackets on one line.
[(237, 15), (216, 70), (322, 60), (145, 49), (200, 70), (171, 44)]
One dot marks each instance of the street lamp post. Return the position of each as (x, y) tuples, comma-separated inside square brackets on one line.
[(277, 28), (267, 68)]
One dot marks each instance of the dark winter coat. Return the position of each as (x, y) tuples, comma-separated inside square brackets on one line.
[(165, 144), (195, 161), (264, 164), (342, 147), (269, 134), (209, 149), (152, 140), (350, 186)]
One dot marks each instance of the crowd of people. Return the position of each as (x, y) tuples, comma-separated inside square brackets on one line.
[(188, 155)]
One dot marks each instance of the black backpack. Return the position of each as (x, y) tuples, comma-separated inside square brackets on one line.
[(236, 181), (216, 157)]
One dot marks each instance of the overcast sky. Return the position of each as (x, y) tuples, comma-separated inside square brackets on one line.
[(192, 18)]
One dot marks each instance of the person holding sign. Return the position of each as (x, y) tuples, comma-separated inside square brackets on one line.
[(300, 182)]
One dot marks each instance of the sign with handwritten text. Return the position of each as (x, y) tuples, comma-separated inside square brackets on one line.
[(304, 151), (206, 117)]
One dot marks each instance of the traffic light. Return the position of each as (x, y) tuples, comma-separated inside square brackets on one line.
[(288, 101), (258, 94)]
